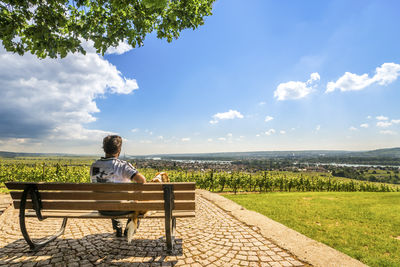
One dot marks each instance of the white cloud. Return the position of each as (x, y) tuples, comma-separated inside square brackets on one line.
[(317, 129), (262, 103), (209, 140), (313, 77), (364, 125), (383, 124), (9, 141), (185, 139), (270, 132), (388, 132), (229, 115), (134, 130), (395, 121), (240, 138), (295, 89), (268, 118), (369, 117), (384, 75), (387, 73), (122, 48), (160, 137), (382, 118), (283, 132), (352, 128), (146, 141), (55, 97), (292, 90), (222, 139), (20, 144), (349, 82), (257, 135), (148, 132), (229, 135), (74, 131)]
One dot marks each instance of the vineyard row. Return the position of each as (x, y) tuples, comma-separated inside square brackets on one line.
[(265, 181)]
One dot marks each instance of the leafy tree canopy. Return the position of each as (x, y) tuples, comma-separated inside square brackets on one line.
[(55, 27)]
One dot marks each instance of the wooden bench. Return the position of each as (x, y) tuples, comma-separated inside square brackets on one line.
[(69, 200)]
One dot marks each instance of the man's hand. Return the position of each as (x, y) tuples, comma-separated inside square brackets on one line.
[(139, 178)]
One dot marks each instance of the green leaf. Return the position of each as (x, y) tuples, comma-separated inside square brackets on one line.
[(57, 27)]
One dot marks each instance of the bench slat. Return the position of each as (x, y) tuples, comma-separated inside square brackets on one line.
[(179, 195), (101, 187), (116, 205), (96, 215)]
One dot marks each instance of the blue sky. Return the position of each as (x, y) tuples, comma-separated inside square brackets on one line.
[(254, 77)]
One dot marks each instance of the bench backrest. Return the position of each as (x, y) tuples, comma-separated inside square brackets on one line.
[(106, 196)]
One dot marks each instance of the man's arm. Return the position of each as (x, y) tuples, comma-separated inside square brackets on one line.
[(139, 178)]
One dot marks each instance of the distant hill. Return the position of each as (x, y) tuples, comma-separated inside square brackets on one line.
[(7, 154), (392, 153), (379, 153), (254, 155), (386, 152)]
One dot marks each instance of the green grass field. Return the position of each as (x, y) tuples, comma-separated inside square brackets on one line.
[(363, 225)]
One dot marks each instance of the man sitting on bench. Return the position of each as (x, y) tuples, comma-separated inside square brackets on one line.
[(110, 169)]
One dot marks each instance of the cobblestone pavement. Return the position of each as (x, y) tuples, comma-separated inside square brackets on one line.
[(5, 201), (213, 238)]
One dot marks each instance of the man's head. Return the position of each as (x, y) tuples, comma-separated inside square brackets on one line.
[(112, 145)]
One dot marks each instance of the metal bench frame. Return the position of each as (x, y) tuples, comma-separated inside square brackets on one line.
[(32, 190)]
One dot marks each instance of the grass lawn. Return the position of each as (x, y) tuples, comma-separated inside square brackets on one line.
[(363, 225)]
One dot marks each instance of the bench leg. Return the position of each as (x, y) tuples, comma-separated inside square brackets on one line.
[(32, 245), (170, 221), (170, 234)]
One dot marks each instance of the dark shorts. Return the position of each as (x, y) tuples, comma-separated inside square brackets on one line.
[(114, 212)]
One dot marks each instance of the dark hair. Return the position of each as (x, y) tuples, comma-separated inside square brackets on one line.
[(112, 144)]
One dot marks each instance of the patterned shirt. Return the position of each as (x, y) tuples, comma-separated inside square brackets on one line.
[(112, 170)]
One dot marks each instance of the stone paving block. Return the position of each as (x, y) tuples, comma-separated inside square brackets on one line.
[(213, 238), (286, 263), (264, 264), (253, 258), (296, 263), (244, 263)]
